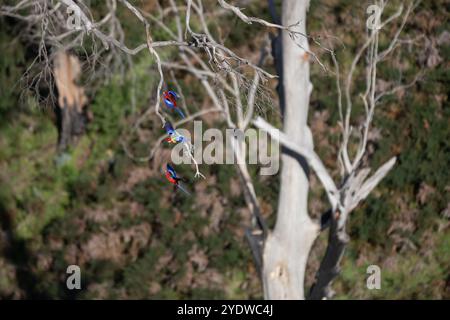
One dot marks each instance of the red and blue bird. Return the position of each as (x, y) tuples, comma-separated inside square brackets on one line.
[(174, 179), (174, 136), (170, 100)]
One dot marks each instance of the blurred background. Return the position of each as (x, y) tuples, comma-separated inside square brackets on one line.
[(93, 205)]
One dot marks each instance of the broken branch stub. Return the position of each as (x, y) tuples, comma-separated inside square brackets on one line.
[(72, 99)]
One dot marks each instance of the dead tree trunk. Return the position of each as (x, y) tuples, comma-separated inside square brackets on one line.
[(71, 99), (287, 247)]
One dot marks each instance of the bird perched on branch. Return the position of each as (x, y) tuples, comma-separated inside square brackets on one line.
[(173, 178), (170, 100), (174, 136)]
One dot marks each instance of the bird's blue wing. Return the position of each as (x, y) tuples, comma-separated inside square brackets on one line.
[(174, 94), (168, 103), (171, 171)]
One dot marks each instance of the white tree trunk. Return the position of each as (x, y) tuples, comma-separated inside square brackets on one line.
[(287, 248)]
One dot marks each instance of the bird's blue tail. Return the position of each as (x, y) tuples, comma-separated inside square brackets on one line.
[(183, 189), (180, 112)]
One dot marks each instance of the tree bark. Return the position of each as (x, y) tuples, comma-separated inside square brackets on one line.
[(287, 248), (329, 267)]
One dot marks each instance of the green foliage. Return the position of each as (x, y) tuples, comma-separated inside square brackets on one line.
[(10, 72)]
